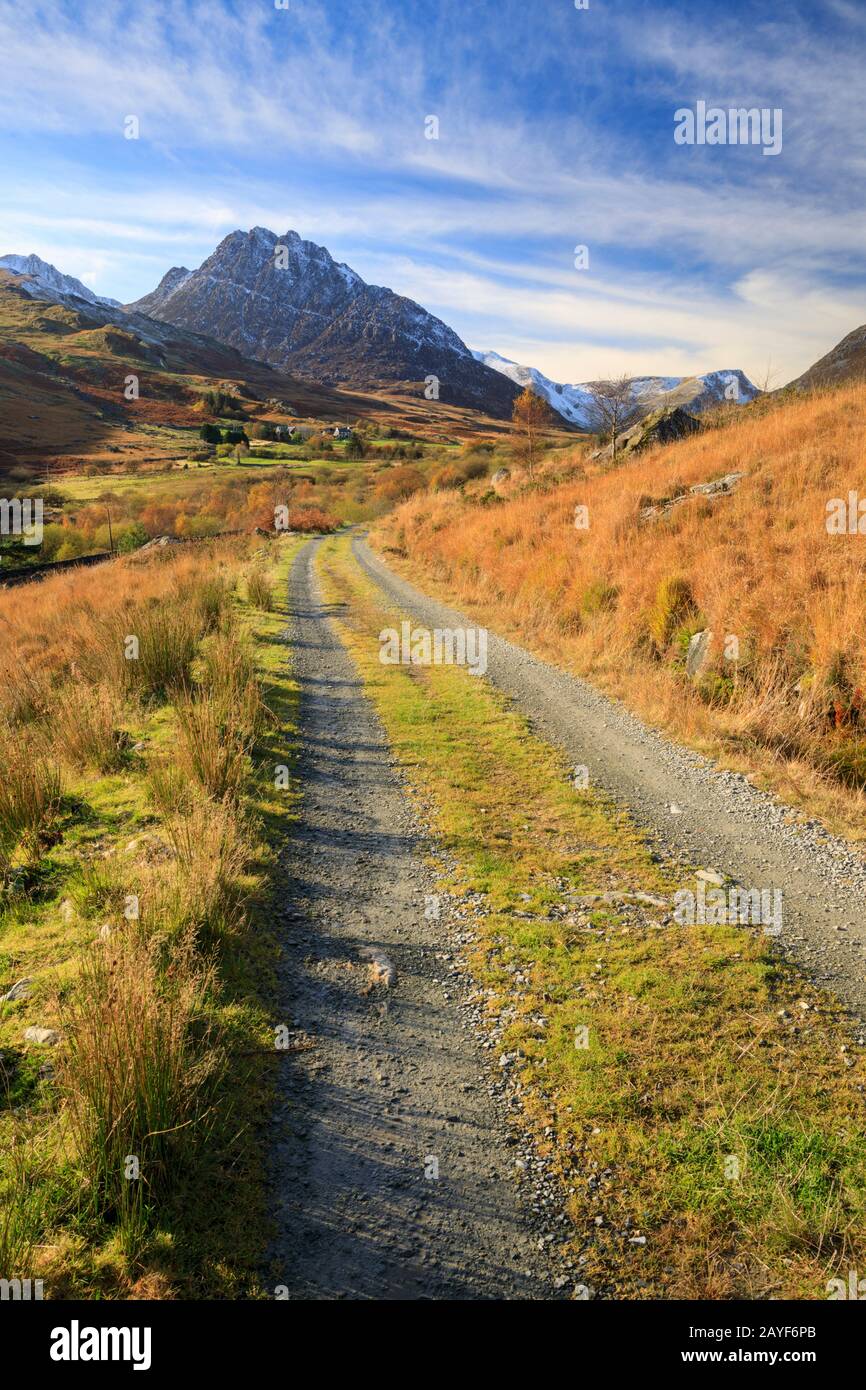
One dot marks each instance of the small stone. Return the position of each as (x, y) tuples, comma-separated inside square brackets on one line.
[(20, 990), (45, 1037), (382, 970)]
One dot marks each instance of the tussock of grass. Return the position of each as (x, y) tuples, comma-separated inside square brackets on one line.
[(30, 792), (673, 605), (260, 590), (139, 1054), (211, 750), (85, 722), (228, 681)]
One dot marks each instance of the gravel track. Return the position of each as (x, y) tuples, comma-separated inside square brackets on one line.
[(718, 821), (382, 1078)]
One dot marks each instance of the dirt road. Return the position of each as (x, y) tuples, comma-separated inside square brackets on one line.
[(694, 811), (393, 1169)]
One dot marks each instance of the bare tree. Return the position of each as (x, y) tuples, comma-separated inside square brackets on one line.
[(613, 408), (530, 418)]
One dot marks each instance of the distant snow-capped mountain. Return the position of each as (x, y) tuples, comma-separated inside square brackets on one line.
[(45, 281), (575, 403)]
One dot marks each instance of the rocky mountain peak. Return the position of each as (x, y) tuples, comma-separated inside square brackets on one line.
[(286, 301)]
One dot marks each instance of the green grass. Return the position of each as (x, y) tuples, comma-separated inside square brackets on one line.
[(698, 1051)]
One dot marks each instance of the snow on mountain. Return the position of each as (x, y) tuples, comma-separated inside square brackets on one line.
[(45, 281), (574, 403)]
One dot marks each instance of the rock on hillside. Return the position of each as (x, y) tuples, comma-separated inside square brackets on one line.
[(660, 427)]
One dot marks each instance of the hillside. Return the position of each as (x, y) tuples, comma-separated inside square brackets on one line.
[(660, 555), (845, 362), (64, 364), (45, 281)]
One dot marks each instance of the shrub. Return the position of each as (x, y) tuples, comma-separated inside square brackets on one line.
[(847, 762), (598, 597), (132, 538), (474, 467), (448, 477), (400, 483), (223, 405), (312, 521)]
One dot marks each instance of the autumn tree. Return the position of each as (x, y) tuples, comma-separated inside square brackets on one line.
[(530, 418)]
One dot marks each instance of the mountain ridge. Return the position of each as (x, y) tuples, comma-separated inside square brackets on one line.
[(45, 281), (846, 361), (337, 330)]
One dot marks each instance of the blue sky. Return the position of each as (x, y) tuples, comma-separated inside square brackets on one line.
[(555, 130)]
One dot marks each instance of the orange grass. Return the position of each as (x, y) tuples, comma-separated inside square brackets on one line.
[(759, 564), (48, 628)]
